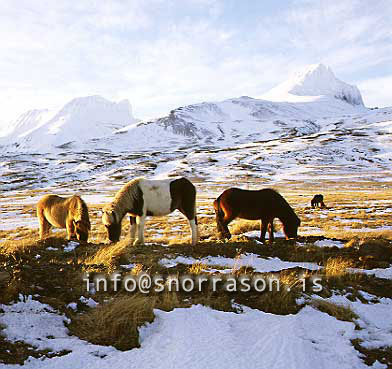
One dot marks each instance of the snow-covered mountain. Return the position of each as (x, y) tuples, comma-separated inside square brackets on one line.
[(78, 121), (26, 123), (316, 122), (245, 116), (314, 82), (291, 109), (310, 136)]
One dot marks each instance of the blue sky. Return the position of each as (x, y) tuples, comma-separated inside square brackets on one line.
[(164, 54)]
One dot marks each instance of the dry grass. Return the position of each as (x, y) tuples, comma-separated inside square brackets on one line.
[(11, 248), (115, 323), (137, 269), (174, 240), (338, 311), (19, 246), (290, 279), (280, 302), (240, 226), (197, 268), (348, 235), (353, 242), (337, 266), (110, 255)]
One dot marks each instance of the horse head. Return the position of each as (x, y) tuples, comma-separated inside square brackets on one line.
[(290, 227), (81, 229), (112, 224)]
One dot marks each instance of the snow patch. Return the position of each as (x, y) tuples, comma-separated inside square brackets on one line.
[(260, 265)]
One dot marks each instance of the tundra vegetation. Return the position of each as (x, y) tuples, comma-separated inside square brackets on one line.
[(357, 217)]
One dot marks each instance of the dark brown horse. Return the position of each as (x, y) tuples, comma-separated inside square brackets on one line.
[(318, 200), (265, 205)]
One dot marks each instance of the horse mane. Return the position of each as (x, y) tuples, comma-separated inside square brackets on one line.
[(290, 214), (128, 199), (80, 211)]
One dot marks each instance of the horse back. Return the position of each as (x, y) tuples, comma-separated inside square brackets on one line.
[(250, 204), (57, 209), (52, 208)]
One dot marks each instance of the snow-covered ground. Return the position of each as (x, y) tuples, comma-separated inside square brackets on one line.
[(259, 264), (199, 337), (385, 273)]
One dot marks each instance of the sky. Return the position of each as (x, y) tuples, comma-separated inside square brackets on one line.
[(162, 54)]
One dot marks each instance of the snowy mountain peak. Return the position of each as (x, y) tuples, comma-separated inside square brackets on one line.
[(89, 103), (314, 81)]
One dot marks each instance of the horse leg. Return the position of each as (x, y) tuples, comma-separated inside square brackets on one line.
[(140, 220), (44, 225), (70, 229), (271, 231), (226, 220), (190, 213), (219, 220), (132, 221), (263, 229), (194, 230)]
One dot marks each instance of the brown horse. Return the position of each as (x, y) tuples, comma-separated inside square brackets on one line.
[(64, 212), (265, 205)]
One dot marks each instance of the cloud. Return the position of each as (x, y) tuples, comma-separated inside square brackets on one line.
[(377, 91), (162, 54)]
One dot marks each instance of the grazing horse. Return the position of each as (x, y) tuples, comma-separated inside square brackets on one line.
[(143, 197), (69, 212), (318, 200), (265, 205)]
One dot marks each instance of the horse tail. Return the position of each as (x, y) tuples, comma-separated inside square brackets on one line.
[(217, 207)]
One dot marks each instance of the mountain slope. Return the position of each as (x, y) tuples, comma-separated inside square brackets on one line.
[(246, 116), (27, 122), (78, 121)]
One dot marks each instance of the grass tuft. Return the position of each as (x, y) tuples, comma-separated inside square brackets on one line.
[(241, 226), (337, 266), (110, 255), (115, 323), (197, 268), (338, 311)]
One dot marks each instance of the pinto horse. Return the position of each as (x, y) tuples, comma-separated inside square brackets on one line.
[(143, 197), (265, 204)]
